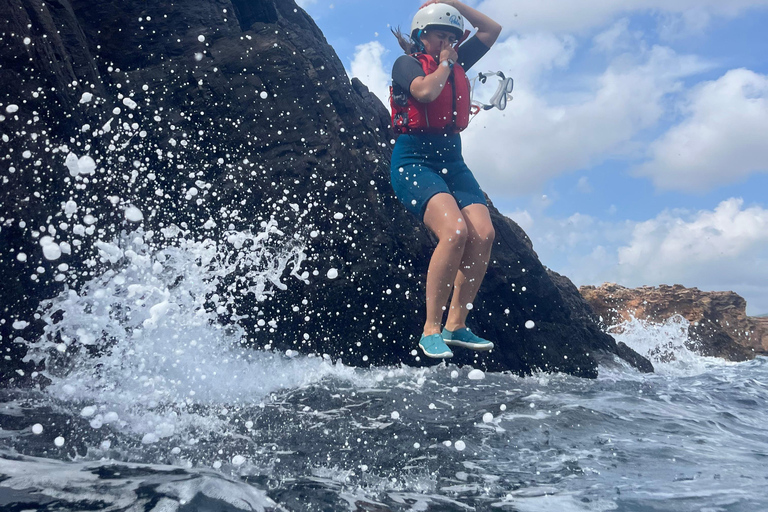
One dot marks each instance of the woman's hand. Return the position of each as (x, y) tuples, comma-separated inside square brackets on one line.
[(425, 89), (452, 3), (449, 54)]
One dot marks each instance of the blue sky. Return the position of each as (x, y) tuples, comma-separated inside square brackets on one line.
[(636, 148)]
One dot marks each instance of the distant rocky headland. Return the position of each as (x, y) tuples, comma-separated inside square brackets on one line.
[(719, 325)]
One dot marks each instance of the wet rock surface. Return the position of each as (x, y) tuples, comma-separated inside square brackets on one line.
[(719, 325), (245, 104)]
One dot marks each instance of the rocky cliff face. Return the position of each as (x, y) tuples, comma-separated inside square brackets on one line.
[(719, 325), (762, 321), (217, 117)]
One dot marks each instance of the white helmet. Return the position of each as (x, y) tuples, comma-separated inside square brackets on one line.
[(442, 16)]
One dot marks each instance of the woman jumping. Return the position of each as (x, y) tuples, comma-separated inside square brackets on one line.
[(430, 106)]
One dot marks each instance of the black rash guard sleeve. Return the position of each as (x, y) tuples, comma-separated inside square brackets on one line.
[(405, 70), (471, 52)]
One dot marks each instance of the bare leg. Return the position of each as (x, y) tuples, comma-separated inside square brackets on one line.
[(443, 217), (474, 263)]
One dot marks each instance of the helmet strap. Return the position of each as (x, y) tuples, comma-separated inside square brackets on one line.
[(418, 42), (464, 37)]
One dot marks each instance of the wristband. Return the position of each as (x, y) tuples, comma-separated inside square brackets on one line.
[(447, 63)]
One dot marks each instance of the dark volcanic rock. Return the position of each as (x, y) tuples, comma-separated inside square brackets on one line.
[(719, 325), (219, 116)]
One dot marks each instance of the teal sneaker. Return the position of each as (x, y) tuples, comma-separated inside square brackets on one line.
[(467, 339), (434, 346)]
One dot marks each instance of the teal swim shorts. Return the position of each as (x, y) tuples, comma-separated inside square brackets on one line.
[(424, 165)]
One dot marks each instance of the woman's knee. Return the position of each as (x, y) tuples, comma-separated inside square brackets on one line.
[(483, 233), (487, 234), (454, 232), (443, 217)]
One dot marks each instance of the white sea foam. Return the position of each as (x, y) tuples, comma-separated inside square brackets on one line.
[(545, 499), (84, 165), (665, 344), (133, 214), (81, 482), (476, 375), (153, 318), (51, 250), (128, 102)]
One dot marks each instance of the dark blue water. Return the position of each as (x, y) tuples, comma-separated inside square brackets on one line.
[(326, 437)]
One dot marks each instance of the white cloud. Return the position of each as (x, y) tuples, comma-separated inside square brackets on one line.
[(583, 185), (674, 26), (536, 139), (721, 249), (721, 141), (530, 56), (675, 244), (368, 66), (305, 3), (560, 242), (617, 38), (523, 218), (570, 16)]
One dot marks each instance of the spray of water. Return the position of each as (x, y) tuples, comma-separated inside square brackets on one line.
[(666, 344), (156, 334)]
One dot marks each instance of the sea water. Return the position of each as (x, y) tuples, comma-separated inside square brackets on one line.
[(154, 404)]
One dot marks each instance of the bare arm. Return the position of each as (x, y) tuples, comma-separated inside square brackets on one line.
[(426, 89)]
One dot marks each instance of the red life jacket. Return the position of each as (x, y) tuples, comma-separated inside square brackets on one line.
[(449, 112)]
